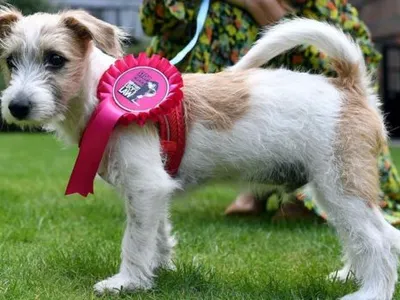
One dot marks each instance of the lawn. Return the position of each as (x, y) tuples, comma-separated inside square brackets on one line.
[(56, 247)]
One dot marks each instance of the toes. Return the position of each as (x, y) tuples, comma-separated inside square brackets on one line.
[(116, 285), (341, 275), (365, 296)]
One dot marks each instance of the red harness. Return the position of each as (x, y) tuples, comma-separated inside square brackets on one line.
[(172, 130)]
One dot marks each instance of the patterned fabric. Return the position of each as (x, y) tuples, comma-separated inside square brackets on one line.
[(228, 34)]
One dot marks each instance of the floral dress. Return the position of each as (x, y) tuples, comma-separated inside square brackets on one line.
[(228, 34)]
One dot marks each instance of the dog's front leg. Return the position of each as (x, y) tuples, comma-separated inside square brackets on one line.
[(147, 188)]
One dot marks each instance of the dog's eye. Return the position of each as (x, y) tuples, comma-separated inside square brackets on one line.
[(10, 63), (54, 60)]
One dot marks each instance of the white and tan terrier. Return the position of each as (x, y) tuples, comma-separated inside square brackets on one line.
[(263, 125)]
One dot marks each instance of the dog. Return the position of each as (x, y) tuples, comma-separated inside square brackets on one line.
[(264, 125)]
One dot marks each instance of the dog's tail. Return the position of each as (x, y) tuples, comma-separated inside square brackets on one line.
[(347, 58)]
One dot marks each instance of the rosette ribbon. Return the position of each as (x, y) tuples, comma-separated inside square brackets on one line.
[(132, 90)]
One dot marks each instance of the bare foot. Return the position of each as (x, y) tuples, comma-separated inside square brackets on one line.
[(246, 204)]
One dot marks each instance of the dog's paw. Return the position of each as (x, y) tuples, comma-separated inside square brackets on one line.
[(119, 283), (365, 296), (168, 265), (341, 275)]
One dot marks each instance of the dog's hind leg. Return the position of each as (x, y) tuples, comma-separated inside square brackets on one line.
[(347, 187), (370, 243)]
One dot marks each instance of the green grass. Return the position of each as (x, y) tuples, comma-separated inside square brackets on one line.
[(56, 247)]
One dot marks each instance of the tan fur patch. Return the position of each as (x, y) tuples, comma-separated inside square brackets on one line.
[(216, 100), (106, 36), (348, 76), (8, 16), (80, 33), (359, 142)]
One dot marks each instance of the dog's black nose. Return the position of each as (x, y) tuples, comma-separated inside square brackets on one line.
[(20, 107)]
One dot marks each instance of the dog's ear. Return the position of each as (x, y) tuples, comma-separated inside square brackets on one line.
[(8, 16), (106, 37)]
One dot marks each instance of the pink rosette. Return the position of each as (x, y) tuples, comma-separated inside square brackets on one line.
[(116, 84), (131, 90)]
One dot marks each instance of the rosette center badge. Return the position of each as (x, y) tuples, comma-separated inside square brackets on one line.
[(140, 89)]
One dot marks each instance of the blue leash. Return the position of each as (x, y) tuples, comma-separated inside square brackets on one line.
[(201, 19)]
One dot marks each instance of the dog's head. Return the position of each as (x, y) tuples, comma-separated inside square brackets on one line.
[(44, 59)]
